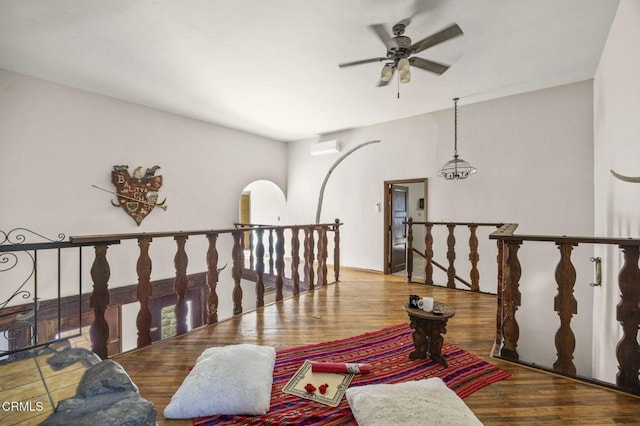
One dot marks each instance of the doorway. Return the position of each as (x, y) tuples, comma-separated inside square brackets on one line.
[(403, 199), (245, 214)]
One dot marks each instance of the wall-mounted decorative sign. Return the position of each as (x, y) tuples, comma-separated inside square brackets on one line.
[(137, 194)]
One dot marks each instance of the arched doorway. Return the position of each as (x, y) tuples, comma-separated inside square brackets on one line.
[(262, 202)]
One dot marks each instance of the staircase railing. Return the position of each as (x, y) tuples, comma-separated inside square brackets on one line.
[(565, 304), (458, 278), (473, 253)]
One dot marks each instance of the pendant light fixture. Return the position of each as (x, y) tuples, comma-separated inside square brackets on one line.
[(456, 168)]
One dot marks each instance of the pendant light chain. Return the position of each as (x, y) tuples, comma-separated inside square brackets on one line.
[(456, 168), (455, 127)]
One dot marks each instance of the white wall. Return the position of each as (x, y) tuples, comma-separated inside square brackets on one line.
[(616, 146), (56, 142), (534, 159)]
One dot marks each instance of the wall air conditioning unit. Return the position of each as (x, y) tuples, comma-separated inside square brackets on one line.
[(324, 148)]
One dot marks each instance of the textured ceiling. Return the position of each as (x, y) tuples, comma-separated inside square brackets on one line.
[(270, 67)]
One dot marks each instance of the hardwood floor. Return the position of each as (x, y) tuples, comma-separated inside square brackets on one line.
[(364, 302)]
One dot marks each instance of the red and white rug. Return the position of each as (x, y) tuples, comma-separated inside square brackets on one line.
[(387, 351)]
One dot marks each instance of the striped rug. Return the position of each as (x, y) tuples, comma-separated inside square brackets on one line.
[(387, 351)]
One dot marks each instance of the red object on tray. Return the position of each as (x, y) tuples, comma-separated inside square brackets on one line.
[(340, 367)]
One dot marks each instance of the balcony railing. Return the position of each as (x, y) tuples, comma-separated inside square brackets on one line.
[(315, 244), (509, 298), (264, 262), (34, 267), (565, 304), (306, 247)]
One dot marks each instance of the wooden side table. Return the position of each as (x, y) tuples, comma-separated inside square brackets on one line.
[(428, 330)]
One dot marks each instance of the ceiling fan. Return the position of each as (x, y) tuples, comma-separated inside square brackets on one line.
[(400, 50)]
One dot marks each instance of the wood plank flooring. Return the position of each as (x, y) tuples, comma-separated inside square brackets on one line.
[(36, 387), (363, 302)]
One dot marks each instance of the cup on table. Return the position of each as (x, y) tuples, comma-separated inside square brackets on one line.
[(414, 299), (426, 304)]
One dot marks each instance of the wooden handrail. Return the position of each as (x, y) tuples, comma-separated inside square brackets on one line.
[(101, 270), (452, 277), (565, 304), (509, 297), (92, 239), (506, 233), (493, 224)]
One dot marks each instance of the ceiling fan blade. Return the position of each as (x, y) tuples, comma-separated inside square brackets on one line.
[(419, 7), (383, 34), (362, 61), (437, 38), (427, 65)]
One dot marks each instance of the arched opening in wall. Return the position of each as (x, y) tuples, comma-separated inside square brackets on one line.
[(262, 202)]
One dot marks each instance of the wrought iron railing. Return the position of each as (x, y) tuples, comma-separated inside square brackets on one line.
[(31, 269)]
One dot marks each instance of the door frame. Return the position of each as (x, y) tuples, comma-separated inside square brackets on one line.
[(387, 215), (244, 210)]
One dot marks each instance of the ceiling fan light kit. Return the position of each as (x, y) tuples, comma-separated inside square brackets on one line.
[(403, 70), (387, 73), (457, 168)]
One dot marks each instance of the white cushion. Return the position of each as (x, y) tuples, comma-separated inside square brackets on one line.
[(231, 380), (420, 402)]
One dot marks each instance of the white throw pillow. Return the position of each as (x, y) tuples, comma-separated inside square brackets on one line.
[(420, 402), (231, 380)]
